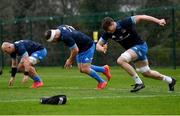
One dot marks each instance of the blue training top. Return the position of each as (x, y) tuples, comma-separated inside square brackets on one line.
[(25, 46), (125, 33), (73, 38)]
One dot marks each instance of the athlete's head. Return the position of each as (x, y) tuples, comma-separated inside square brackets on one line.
[(109, 25), (52, 35), (7, 47)]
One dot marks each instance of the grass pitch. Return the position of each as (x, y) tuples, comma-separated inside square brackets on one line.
[(83, 98)]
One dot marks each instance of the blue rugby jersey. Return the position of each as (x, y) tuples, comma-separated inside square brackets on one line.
[(23, 46), (72, 37), (125, 33)]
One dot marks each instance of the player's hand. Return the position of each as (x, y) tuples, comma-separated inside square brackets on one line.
[(25, 79), (68, 64), (105, 48), (162, 22), (11, 81)]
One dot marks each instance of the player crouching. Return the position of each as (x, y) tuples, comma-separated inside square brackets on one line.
[(31, 53)]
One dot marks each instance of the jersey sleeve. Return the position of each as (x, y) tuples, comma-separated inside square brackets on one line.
[(104, 38), (128, 22), (69, 42)]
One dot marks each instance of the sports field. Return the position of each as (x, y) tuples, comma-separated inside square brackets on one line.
[(83, 98)]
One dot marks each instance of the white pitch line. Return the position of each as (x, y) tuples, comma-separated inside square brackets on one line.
[(115, 97), (110, 88), (99, 97)]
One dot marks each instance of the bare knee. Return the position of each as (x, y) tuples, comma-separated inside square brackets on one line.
[(121, 61), (84, 70), (147, 74), (124, 58)]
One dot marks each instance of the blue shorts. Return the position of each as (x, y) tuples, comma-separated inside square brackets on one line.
[(141, 51), (40, 55), (86, 56)]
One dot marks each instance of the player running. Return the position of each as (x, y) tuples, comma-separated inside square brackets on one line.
[(124, 33), (31, 53), (82, 47)]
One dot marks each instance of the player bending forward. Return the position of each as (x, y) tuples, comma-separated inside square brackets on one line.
[(31, 53), (82, 47)]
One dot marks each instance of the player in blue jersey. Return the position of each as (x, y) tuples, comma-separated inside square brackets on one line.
[(82, 47), (31, 53), (124, 33)]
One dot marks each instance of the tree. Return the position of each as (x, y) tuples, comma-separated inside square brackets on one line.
[(158, 3), (94, 6)]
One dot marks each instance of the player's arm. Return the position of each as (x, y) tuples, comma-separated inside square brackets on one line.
[(139, 18), (24, 58), (73, 52), (14, 67), (101, 45), (27, 65), (14, 63), (26, 62)]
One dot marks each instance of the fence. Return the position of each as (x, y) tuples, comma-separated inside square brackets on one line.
[(163, 42)]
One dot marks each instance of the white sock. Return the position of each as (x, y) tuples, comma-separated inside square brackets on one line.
[(137, 79), (167, 79)]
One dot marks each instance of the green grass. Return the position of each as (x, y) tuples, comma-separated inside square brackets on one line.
[(84, 99)]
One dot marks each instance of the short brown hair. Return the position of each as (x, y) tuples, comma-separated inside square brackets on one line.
[(47, 34), (106, 22)]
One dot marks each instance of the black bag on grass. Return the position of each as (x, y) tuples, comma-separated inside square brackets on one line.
[(54, 100)]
